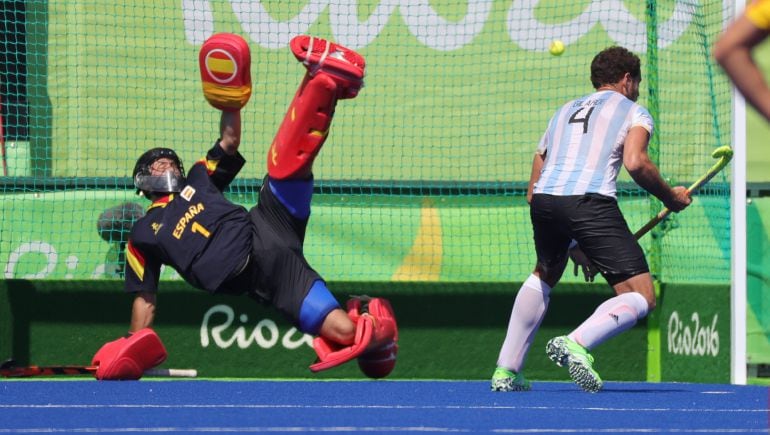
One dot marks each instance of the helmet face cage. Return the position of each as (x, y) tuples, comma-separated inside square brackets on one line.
[(167, 182)]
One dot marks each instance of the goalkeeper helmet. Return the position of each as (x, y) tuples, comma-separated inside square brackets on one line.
[(168, 182)]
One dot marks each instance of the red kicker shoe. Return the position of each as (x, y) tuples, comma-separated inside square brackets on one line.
[(343, 64)]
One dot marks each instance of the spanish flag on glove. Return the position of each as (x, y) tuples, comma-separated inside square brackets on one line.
[(225, 63)]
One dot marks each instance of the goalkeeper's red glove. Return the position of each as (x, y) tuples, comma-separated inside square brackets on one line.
[(128, 357), (225, 64)]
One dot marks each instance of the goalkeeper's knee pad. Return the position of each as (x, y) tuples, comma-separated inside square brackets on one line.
[(225, 64)]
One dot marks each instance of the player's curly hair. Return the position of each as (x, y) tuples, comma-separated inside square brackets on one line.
[(611, 64)]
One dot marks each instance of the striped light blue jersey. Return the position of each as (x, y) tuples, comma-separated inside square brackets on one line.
[(583, 144)]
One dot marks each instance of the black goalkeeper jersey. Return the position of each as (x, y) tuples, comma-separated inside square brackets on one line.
[(197, 231)]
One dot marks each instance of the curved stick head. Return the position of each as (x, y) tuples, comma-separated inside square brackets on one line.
[(724, 152)]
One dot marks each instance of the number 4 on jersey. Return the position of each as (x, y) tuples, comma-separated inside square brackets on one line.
[(584, 120)]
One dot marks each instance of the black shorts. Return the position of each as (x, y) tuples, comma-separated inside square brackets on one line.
[(599, 227), (277, 272)]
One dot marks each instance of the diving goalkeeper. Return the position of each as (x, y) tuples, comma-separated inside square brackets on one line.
[(221, 247)]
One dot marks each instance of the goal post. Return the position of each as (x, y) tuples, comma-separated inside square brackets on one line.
[(424, 174), (739, 286)]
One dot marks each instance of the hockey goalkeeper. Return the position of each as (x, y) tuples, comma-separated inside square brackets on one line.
[(221, 247)]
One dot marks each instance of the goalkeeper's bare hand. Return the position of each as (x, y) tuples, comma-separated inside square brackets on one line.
[(581, 261)]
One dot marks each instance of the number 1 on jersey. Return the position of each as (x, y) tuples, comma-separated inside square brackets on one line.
[(200, 229)]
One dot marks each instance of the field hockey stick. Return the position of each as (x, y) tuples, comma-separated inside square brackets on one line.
[(10, 370), (724, 154)]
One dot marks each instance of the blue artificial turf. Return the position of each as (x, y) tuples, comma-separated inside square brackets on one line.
[(375, 406)]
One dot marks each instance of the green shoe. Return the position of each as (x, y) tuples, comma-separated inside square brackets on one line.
[(506, 380), (579, 363)]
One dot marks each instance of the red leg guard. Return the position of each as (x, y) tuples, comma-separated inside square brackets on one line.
[(379, 358), (334, 72), (375, 342), (378, 363), (304, 128), (319, 55)]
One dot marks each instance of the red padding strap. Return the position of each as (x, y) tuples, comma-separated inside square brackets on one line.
[(331, 354), (385, 326)]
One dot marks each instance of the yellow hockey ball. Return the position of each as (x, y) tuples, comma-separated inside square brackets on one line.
[(556, 48)]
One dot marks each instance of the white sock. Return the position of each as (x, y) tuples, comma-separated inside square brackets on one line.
[(611, 318), (527, 314)]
